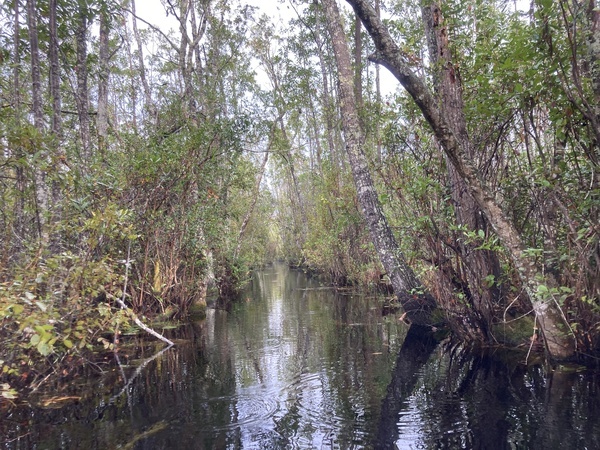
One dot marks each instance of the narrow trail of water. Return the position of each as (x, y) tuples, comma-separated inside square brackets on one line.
[(297, 366)]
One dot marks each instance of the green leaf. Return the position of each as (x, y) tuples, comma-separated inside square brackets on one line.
[(17, 309), (67, 343), (35, 339), (44, 348)]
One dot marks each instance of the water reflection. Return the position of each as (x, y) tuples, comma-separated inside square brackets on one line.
[(294, 365), (490, 401)]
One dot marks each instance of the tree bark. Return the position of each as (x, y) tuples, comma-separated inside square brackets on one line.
[(82, 84), (19, 172), (54, 72), (327, 104), (147, 92), (358, 89), (593, 45), (404, 280), (478, 263), (103, 76), (559, 344), (42, 200)]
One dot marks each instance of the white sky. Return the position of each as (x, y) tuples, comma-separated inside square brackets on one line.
[(154, 12)]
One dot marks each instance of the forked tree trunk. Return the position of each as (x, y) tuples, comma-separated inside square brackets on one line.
[(560, 345), (404, 281)]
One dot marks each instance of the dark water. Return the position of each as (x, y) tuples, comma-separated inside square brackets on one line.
[(296, 366)]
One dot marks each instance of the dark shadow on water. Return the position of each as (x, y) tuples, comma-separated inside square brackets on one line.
[(416, 350), (451, 398)]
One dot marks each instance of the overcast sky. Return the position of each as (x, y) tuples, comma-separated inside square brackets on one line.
[(154, 12)]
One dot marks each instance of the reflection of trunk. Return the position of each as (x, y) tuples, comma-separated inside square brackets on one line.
[(551, 321), (486, 383), (414, 353), (478, 263), (401, 275)]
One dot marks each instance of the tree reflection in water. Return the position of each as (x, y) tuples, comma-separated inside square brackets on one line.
[(296, 365)]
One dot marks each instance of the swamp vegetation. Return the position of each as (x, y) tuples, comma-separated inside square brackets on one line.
[(153, 167)]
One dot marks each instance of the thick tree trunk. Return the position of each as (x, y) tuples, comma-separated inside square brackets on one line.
[(478, 264), (404, 280), (559, 344)]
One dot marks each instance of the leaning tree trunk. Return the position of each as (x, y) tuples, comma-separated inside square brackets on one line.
[(404, 280), (552, 324)]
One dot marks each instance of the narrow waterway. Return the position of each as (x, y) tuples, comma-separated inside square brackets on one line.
[(297, 365)]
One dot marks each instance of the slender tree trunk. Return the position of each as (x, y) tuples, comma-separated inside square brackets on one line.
[(103, 76), (404, 280), (20, 173), (147, 92), (38, 120), (328, 107), (55, 96), (134, 86), (378, 98), (478, 263), (82, 97), (559, 344), (54, 73), (593, 45)]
